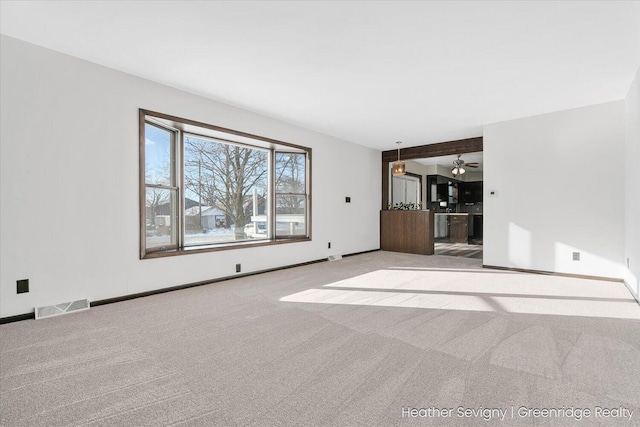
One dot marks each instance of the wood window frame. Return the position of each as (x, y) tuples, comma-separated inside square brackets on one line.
[(272, 144), (275, 194)]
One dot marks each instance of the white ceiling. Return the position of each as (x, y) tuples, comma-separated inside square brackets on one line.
[(369, 72), (448, 160)]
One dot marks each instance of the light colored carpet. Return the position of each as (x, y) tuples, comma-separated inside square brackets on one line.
[(344, 343)]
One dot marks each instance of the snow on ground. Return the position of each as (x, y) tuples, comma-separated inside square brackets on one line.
[(216, 235)]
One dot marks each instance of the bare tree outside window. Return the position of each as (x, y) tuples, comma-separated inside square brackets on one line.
[(157, 198), (291, 199), (224, 176)]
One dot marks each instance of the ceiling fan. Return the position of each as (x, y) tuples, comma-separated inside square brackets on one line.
[(458, 164)]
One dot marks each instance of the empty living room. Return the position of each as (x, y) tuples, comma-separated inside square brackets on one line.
[(320, 213)]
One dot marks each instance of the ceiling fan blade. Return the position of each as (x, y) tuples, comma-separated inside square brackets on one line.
[(471, 165)]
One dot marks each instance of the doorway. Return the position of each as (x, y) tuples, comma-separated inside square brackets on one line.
[(406, 189), (455, 196)]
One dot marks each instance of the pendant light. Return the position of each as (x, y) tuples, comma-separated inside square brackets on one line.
[(398, 166)]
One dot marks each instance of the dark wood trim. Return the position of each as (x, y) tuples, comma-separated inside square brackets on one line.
[(361, 253), (415, 175), (176, 148), (461, 146), (553, 273), (17, 318), (385, 183), (309, 192), (142, 213), (217, 280), (178, 155), (28, 316)]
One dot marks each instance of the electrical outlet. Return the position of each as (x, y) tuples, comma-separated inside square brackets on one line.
[(576, 256), (238, 268), (347, 199), (329, 245), (22, 286)]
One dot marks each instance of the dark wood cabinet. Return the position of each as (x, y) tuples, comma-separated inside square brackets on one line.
[(465, 192), (443, 192), (407, 231), (470, 192), (458, 228), (477, 192), (450, 190), (477, 226)]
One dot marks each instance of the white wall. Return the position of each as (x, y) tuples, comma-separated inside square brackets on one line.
[(69, 181), (560, 180), (632, 193)]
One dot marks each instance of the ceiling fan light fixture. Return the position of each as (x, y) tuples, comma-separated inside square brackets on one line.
[(457, 170), (457, 166), (398, 166)]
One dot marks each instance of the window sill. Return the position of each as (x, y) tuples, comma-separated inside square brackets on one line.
[(222, 247)]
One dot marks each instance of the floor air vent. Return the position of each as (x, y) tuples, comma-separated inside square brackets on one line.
[(64, 308)]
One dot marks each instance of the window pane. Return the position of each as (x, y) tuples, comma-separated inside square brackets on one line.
[(290, 172), (290, 215), (161, 218), (158, 155), (225, 189)]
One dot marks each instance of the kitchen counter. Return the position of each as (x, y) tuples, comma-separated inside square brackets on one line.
[(459, 213), (454, 213)]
